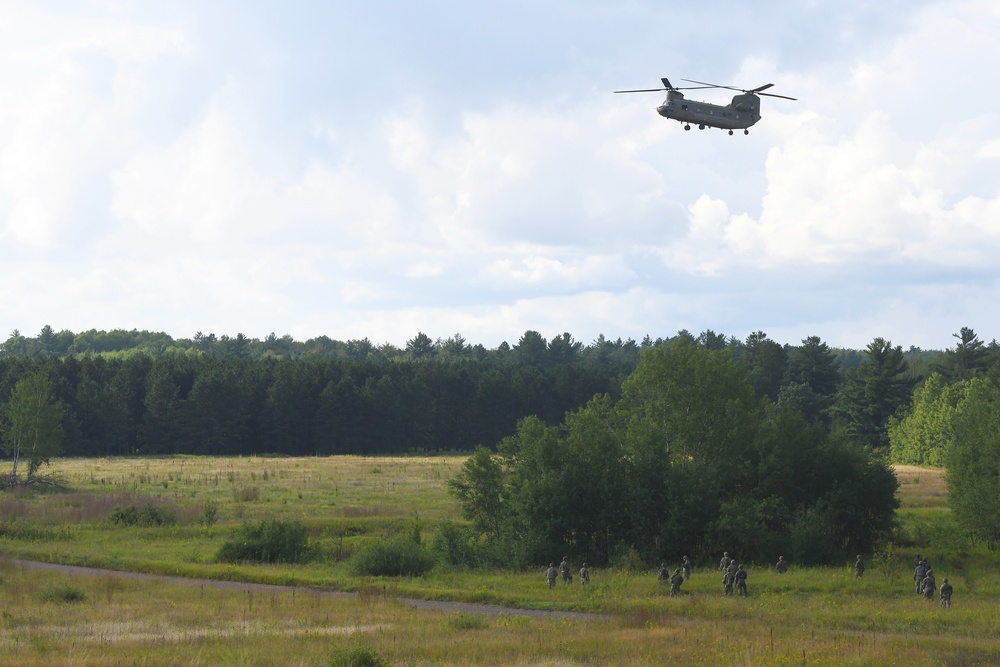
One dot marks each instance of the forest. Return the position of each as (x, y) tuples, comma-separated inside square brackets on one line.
[(132, 392)]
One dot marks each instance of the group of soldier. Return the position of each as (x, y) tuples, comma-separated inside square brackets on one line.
[(734, 576), (567, 577), (926, 584)]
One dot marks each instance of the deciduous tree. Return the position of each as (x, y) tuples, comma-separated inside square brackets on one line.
[(32, 427)]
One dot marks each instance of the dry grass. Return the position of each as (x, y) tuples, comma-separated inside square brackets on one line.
[(921, 487)]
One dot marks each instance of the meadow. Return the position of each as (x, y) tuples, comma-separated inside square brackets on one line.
[(809, 616)]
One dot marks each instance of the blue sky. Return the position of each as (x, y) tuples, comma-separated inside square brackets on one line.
[(383, 168)]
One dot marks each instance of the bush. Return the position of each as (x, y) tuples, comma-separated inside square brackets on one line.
[(397, 557), (358, 655), (267, 542), (148, 515), (65, 593)]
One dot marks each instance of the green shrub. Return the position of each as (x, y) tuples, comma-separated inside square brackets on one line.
[(397, 557), (455, 545), (463, 621), (267, 542), (65, 593), (148, 515), (358, 655), (210, 513)]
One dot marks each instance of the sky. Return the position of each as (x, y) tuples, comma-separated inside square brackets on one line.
[(381, 169)]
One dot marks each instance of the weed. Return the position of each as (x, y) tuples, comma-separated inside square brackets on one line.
[(64, 593), (358, 655), (463, 621), (246, 494)]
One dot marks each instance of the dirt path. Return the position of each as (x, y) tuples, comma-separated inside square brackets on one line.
[(436, 605)]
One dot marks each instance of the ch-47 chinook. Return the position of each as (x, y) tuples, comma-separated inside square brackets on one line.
[(739, 114)]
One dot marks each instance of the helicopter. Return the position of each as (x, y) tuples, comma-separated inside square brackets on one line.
[(739, 114)]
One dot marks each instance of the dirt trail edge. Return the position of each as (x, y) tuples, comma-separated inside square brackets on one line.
[(436, 605)]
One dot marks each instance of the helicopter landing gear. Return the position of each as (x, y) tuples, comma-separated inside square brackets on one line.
[(746, 131), (730, 133), (687, 127), (701, 127)]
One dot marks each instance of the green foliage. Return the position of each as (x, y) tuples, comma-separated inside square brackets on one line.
[(479, 487), (209, 513), (64, 593), (269, 541), (924, 435), (687, 462), (32, 427), (359, 654), (463, 621), (873, 393), (973, 460), (395, 557), (147, 515)]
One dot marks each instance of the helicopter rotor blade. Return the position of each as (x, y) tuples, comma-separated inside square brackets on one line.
[(784, 97), (714, 85), (643, 90), (755, 91)]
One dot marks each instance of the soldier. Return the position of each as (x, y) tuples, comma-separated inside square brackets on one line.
[(929, 585), (781, 566), (664, 574), (584, 575), (946, 594), (859, 567), (726, 560), (675, 583), (564, 570), (686, 566), (741, 580), (919, 572), (551, 574), (728, 579)]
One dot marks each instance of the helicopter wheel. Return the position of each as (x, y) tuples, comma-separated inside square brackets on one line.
[(701, 127), (746, 131), (687, 127), (730, 133)]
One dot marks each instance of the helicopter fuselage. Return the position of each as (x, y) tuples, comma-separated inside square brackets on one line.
[(741, 113)]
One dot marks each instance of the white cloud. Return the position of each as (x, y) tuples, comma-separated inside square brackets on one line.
[(165, 173)]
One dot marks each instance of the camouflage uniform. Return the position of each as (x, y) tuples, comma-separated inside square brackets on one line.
[(919, 572), (686, 566), (741, 580), (930, 585), (584, 575), (675, 583), (727, 582), (782, 565), (664, 574), (946, 594), (564, 570), (724, 563), (551, 575), (859, 567)]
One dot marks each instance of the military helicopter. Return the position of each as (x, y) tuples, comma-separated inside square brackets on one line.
[(739, 114)]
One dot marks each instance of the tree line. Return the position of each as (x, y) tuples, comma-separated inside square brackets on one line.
[(236, 395)]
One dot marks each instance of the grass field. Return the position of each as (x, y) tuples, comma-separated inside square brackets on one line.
[(810, 616)]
